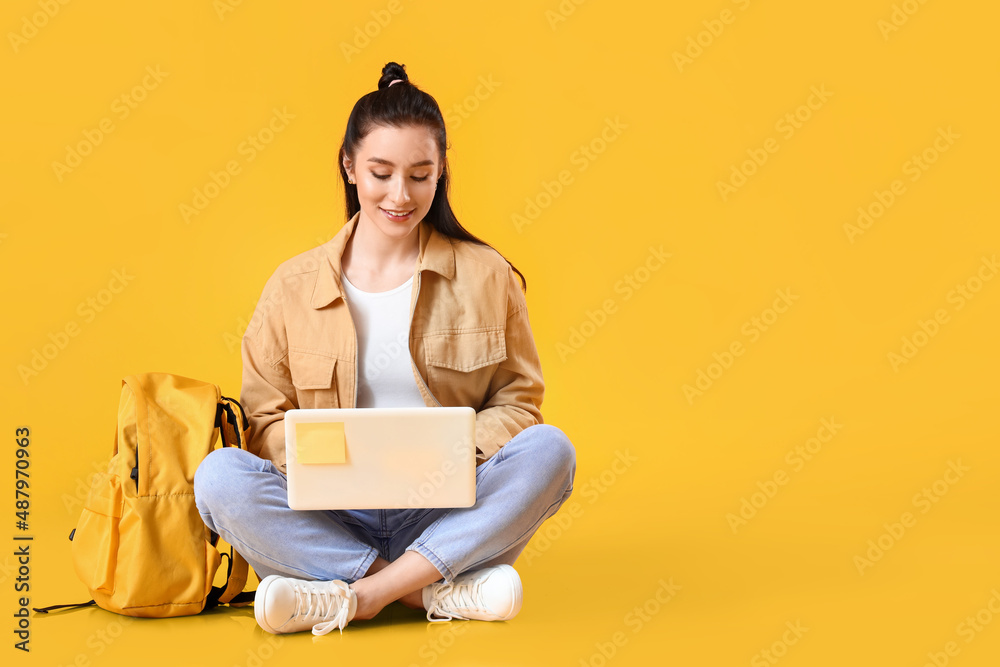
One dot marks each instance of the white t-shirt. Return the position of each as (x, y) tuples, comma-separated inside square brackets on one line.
[(382, 320)]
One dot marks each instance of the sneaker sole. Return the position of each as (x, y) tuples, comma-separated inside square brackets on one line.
[(258, 606), (518, 593)]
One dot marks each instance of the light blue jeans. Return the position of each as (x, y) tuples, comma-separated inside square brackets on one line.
[(244, 499)]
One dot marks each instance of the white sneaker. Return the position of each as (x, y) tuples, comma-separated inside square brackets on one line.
[(490, 594), (284, 605)]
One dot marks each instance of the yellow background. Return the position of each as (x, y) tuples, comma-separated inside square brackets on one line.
[(524, 93)]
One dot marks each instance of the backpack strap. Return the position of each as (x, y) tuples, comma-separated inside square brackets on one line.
[(236, 578), (232, 422), (45, 610), (238, 571), (234, 427)]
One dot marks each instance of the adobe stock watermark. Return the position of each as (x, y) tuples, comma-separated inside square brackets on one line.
[(8, 569), (121, 108), (967, 630), (752, 329), (713, 29), (87, 310), (898, 17), (388, 351), (626, 286), (914, 167), (927, 329), (459, 112), (224, 7), (796, 457), (234, 337), (249, 148), (265, 650), (30, 25), (923, 500), (562, 12), (365, 34), (581, 158), (553, 528), (440, 640), (462, 452), (779, 648), (635, 620), (81, 488), (786, 126), (102, 639)]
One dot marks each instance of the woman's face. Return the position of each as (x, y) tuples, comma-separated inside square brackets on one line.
[(396, 171)]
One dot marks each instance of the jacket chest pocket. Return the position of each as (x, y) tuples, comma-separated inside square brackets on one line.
[(314, 379), (460, 364)]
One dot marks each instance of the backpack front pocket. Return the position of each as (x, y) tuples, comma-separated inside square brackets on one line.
[(95, 542)]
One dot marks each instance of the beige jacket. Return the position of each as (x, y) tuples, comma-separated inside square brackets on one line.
[(470, 341)]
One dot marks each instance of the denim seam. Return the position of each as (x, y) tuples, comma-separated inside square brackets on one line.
[(429, 531), (435, 560), (530, 531), (410, 523), (366, 564)]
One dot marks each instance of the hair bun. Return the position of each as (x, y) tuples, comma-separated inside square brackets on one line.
[(390, 73)]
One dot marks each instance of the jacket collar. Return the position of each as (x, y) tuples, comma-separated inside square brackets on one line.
[(436, 254)]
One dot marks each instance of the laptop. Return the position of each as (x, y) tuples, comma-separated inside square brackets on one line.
[(380, 458)]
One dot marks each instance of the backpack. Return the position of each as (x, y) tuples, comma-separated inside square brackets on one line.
[(140, 546)]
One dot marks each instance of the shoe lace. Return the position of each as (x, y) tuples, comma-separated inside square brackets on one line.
[(328, 606), (447, 599)]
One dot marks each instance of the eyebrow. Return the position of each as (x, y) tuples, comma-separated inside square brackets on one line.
[(380, 160)]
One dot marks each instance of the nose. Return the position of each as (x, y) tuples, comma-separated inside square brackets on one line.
[(398, 194)]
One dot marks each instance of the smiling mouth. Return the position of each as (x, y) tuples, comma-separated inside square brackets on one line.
[(396, 214)]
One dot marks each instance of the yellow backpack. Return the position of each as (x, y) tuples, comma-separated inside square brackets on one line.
[(140, 546)]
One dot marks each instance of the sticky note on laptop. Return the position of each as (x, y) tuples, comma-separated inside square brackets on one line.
[(320, 442)]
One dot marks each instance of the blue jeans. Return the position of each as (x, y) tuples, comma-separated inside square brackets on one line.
[(244, 499)]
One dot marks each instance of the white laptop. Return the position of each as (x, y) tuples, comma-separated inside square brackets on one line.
[(380, 458)]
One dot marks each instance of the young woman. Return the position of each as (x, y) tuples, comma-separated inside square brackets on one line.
[(403, 307)]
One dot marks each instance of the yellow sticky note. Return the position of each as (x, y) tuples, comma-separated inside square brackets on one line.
[(320, 442)]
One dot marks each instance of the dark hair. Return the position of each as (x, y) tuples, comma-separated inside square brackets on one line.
[(405, 105)]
